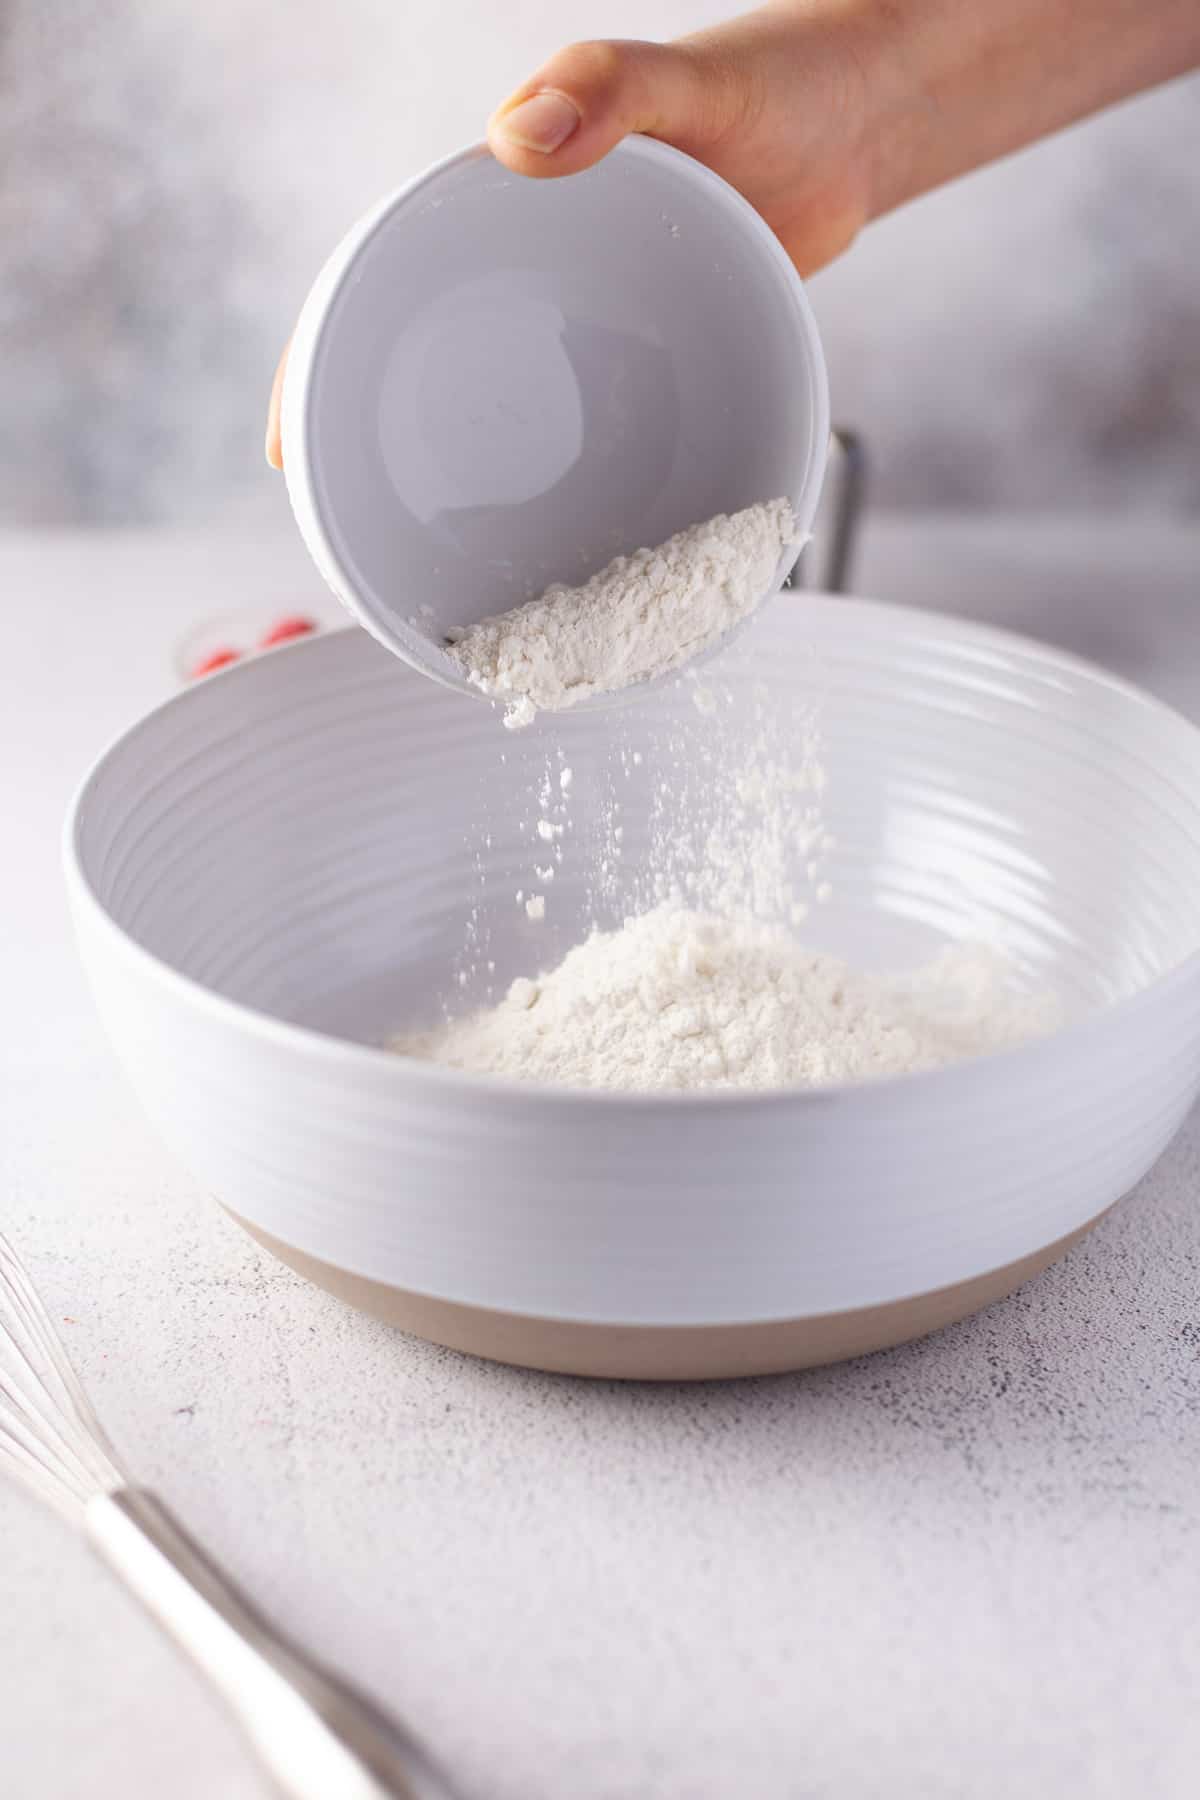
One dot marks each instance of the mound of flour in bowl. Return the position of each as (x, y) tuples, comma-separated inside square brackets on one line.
[(677, 999), (638, 618)]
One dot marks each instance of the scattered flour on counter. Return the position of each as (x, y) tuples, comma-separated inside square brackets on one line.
[(638, 618), (676, 999)]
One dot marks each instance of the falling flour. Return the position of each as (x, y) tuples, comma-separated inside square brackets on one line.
[(705, 985), (638, 618), (676, 999)]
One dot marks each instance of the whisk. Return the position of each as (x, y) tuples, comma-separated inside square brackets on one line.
[(316, 1738)]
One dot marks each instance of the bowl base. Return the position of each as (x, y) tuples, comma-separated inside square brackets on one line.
[(668, 1352)]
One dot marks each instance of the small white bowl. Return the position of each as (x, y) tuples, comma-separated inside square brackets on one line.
[(279, 866), (497, 383)]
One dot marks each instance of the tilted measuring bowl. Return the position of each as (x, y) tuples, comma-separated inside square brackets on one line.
[(498, 383)]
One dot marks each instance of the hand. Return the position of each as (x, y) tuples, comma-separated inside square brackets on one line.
[(827, 113), (775, 102)]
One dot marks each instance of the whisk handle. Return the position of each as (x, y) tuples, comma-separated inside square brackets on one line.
[(316, 1737)]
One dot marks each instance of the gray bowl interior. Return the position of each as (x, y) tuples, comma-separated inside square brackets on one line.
[(517, 381)]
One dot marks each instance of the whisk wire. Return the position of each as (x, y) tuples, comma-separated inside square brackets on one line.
[(49, 1436), (314, 1735)]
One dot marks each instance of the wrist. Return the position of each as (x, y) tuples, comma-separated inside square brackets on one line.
[(871, 62), (893, 58)]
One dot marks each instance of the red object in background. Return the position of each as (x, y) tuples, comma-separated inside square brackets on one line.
[(292, 625), (216, 659)]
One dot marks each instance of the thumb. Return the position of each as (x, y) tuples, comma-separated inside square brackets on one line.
[(589, 96)]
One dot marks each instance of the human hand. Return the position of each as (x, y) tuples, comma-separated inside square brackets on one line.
[(775, 102), (827, 113)]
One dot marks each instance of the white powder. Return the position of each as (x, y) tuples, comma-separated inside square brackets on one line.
[(677, 1000), (705, 985), (736, 817), (638, 618)]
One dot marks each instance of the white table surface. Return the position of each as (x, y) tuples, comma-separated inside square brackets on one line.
[(969, 1568)]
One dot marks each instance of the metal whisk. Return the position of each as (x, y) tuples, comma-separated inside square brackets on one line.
[(315, 1736)]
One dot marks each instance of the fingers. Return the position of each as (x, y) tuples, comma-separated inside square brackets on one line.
[(274, 438), (589, 96)]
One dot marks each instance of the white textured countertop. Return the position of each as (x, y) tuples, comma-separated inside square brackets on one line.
[(966, 1569)]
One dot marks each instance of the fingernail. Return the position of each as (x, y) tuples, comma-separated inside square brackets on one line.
[(542, 122)]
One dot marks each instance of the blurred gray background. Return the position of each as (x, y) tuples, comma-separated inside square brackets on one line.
[(172, 173)]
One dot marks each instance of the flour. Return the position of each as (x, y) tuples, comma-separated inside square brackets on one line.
[(736, 815), (637, 619), (679, 1000), (705, 985)]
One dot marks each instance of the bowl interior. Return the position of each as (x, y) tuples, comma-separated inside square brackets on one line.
[(334, 841), (499, 383)]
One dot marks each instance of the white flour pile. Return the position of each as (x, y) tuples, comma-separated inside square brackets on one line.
[(677, 1000), (639, 618)]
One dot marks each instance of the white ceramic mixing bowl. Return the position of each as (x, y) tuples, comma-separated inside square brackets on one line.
[(279, 866), (498, 383)]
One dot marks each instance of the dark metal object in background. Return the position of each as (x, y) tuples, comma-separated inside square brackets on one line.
[(848, 474)]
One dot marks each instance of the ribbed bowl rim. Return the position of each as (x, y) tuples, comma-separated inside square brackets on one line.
[(307, 1043)]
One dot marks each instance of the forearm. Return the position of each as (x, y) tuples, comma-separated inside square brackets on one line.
[(951, 85)]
